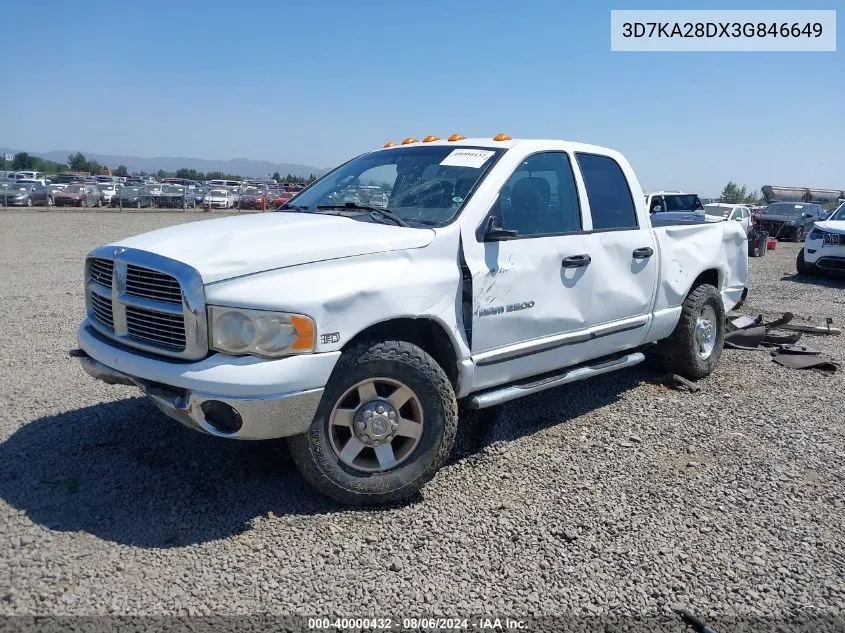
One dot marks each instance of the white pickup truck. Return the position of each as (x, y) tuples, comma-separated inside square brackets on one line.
[(498, 269)]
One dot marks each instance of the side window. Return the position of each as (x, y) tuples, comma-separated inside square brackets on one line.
[(540, 197), (611, 204)]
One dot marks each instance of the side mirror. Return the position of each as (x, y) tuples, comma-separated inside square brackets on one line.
[(495, 232)]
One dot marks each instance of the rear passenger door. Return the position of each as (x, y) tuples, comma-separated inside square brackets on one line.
[(625, 264)]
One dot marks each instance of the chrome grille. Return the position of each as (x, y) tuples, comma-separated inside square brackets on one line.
[(147, 301), (157, 328), (102, 309), (151, 284), (102, 271)]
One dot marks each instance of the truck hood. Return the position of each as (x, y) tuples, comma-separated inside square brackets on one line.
[(832, 226), (241, 245)]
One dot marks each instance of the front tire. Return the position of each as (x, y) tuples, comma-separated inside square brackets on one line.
[(385, 425), (799, 234), (804, 267), (695, 346)]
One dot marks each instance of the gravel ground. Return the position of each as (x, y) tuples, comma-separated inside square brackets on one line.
[(616, 495)]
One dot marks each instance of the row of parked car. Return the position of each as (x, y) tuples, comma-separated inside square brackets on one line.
[(138, 193), (780, 220)]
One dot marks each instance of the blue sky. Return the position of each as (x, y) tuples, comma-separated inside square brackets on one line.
[(318, 81)]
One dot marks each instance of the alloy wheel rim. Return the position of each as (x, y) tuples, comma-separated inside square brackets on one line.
[(705, 332), (376, 425)]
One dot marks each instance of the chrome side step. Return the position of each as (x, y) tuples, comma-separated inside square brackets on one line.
[(574, 374)]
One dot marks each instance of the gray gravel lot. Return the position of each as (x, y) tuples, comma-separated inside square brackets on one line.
[(615, 495)]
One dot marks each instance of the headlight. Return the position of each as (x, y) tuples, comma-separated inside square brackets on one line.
[(260, 332), (815, 234)]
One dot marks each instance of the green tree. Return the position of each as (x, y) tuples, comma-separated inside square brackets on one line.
[(22, 160), (735, 194), (161, 174), (121, 171), (276, 176), (77, 162)]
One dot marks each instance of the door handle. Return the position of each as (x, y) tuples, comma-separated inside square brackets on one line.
[(576, 261), (643, 253)]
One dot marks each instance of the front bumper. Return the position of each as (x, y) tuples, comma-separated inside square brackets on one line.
[(274, 398), (829, 257)]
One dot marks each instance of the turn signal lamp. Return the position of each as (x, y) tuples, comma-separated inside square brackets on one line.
[(390, 144), (502, 137), (431, 138), (456, 137), (409, 140)]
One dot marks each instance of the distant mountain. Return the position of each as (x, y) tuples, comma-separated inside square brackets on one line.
[(237, 166)]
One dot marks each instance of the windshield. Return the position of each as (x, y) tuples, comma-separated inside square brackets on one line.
[(717, 210), (74, 189), (423, 184), (130, 191), (171, 189), (16, 187), (839, 214), (681, 202), (218, 192), (784, 208)]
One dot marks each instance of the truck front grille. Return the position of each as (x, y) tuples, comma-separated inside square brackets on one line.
[(156, 328), (150, 284), (102, 309), (102, 271), (146, 301)]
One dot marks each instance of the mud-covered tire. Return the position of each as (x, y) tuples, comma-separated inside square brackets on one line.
[(803, 267), (321, 466), (679, 353)]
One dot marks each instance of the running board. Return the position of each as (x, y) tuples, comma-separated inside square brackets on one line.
[(518, 390)]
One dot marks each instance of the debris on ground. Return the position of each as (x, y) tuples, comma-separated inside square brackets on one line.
[(679, 382), (753, 333)]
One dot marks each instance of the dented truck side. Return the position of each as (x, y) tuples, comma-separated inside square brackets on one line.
[(397, 319)]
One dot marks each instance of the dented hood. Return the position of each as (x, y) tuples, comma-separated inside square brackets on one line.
[(832, 226), (241, 245)]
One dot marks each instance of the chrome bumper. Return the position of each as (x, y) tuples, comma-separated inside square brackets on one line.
[(262, 417)]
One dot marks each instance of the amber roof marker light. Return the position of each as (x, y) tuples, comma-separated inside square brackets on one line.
[(390, 144), (456, 137), (410, 140), (502, 137), (431, 138)]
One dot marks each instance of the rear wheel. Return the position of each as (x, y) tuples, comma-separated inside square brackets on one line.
[(804, 267), (386, 423), (695, 346)]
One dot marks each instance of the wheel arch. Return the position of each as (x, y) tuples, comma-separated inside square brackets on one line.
[(425, 332), (711, 276)]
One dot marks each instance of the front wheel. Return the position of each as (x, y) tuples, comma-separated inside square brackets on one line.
[(804, 267), (695, 346), (799, 234), (386, 423), (29, 202)]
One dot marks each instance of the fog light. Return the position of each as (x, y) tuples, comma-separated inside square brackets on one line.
[(221, 416)]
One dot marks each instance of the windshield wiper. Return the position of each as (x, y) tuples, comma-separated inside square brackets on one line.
[(375, 212), (292, 207)]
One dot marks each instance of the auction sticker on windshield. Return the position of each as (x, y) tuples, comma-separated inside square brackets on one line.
[(467, 158)]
